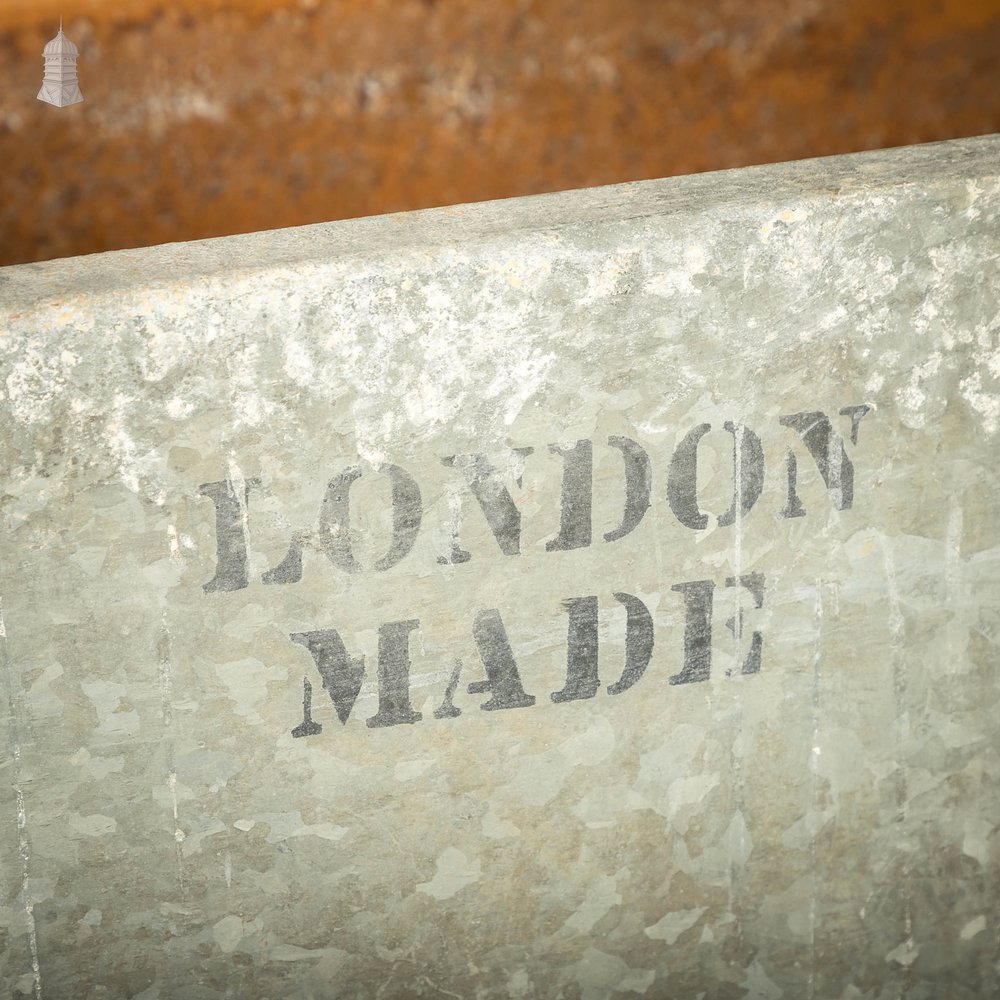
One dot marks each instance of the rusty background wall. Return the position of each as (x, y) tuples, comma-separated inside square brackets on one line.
[(210, 118)]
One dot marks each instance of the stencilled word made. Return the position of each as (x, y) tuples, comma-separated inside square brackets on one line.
[(342, 674)]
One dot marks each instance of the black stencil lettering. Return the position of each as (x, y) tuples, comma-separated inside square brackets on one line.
[(682, 476), (638, 486), (697, 631), (495, 501), (232, 566), (748, 472), (289, 570), (503, 679), (341, 675), (577, 489), (335, 520), (857, 414), (827, 450), (581, 653), (638, 642), (682, 480), (307, 727), (407, 512), (394, 708), (754, 582), (457, 555), (447, 708), (793, 505)]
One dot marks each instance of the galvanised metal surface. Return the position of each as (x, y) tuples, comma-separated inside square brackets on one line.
[(580, 596)]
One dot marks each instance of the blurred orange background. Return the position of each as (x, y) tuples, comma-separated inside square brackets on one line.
[(210, 117)]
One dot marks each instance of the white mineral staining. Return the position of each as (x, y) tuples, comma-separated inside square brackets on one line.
[(169, 793), (874, 382), (178, 408), (922, 397), (515, 387), (36, 381), (984, 403), (454, 872), (905, 954), (138, 461), (610, 277), (832, 319), (299, 364), (164, 345), (678, 281)]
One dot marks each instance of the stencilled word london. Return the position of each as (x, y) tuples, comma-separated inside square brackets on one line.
[(342, 674)]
